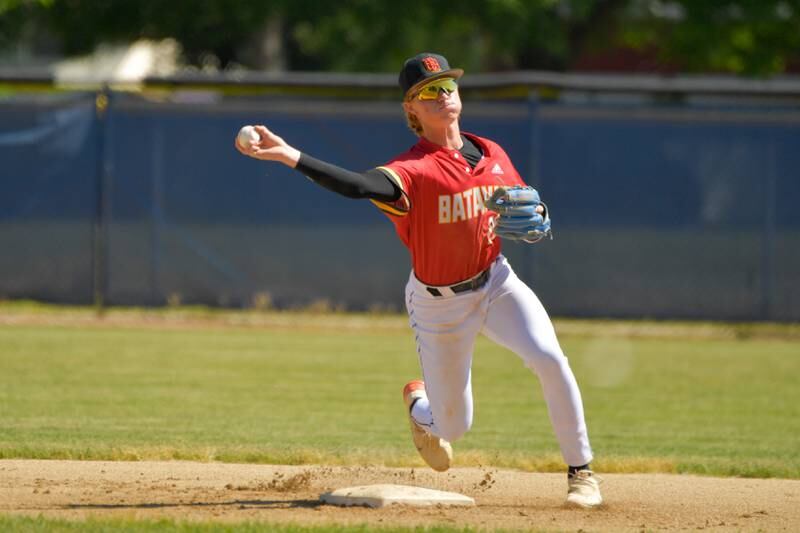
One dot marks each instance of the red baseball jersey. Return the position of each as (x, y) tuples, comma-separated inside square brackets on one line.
[(441, 218)]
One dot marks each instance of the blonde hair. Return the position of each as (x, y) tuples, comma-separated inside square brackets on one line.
[(414, 124)]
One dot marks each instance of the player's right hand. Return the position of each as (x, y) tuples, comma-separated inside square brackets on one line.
[(270, 148)]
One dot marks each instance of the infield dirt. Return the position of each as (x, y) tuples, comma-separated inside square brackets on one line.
[(290, 494)]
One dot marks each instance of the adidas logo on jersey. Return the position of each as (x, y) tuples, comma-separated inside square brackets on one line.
[(496, 169)]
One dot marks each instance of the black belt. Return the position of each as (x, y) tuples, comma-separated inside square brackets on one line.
[(470, 285)]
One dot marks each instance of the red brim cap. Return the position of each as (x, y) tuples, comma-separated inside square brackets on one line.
[(454, 73)]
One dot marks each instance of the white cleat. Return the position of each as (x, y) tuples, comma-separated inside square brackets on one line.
[(584, 490), (435, 451)]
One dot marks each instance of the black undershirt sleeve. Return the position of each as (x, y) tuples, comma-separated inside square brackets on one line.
[(372, 184)]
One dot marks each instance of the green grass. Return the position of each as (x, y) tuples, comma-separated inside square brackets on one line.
[(707, 404), (9, 524)]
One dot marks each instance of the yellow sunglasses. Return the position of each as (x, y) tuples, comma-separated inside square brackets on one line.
[(431, 91)]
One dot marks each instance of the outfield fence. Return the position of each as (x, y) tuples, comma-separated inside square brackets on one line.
[(673, 198)]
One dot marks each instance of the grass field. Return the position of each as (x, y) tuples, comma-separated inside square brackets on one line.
[(43, 525), (658, 397)]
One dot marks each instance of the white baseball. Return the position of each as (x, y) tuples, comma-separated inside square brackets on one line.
[(247, 135)]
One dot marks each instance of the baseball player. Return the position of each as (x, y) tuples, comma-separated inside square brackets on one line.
[(452, 198)]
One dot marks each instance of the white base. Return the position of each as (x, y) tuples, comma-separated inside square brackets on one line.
[(383, 495)]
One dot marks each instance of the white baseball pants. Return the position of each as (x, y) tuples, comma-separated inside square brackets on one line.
[(508, 312)]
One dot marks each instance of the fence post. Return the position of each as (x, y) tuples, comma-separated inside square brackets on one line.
[(534, 178), (156, 211), (768, 236), (100, 226)]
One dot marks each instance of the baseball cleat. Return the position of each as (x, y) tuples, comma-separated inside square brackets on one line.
[(435, 451), (584, 489)]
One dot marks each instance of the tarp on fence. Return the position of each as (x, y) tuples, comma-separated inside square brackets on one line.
[(674, 210), (50, 152)]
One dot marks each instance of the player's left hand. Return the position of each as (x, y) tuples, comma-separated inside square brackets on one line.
[(523, 216)]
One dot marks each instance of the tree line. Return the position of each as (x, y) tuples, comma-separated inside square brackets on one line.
[(746, 37)]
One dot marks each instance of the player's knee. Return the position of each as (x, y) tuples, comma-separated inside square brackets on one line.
[(452, 433), (452, 428), (547, 362)]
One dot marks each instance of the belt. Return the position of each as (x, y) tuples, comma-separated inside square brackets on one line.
[(470, 285)]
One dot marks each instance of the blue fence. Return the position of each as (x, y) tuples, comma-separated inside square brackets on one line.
[(675, 210)]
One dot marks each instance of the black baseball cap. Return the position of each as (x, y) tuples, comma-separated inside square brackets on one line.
[(425, 67)]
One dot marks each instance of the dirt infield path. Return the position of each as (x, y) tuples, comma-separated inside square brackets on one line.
[(279, 494)]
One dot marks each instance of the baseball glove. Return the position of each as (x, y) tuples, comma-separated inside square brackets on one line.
[(518, 220)]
